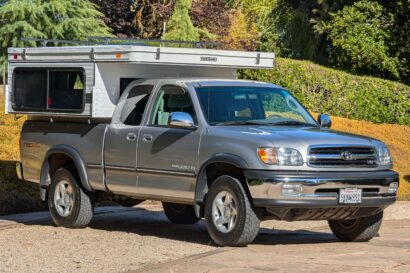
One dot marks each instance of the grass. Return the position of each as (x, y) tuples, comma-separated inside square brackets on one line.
[(17, 196)]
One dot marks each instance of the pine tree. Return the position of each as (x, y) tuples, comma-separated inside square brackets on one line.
[(53, 19), (180, 27)]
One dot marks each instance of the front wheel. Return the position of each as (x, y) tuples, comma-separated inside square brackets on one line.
[(230, 217), (70, 206), (357, 230)]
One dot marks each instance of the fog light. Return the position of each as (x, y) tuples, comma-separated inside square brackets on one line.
[(291, 188), (393, 187)]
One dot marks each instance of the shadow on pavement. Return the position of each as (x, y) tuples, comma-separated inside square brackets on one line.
[(154, 223)]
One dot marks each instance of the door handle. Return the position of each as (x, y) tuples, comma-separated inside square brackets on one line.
[(147, 138), (131, 136)]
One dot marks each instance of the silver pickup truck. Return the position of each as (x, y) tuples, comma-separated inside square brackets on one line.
[(230, 151)]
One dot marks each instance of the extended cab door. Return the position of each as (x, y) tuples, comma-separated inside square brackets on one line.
[(121, 140), (167, 157)]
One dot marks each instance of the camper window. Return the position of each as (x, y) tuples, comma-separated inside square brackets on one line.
[(41, 89), (30, 89)]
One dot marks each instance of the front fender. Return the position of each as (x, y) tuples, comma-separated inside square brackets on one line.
[(72, 153), (201, 188)]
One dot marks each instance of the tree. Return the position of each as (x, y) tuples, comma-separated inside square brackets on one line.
[(359, 35), (53, 19), (242, 34), (118, 15), (180, 26), (400, 30)]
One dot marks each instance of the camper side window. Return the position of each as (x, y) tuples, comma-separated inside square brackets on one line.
[(53, 89)]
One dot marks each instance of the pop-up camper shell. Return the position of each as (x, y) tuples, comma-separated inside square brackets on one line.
[(87, 81)]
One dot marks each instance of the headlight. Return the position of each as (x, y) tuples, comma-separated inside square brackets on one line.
[(384, 156), (280, 156)]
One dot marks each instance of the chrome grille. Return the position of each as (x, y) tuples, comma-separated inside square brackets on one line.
[(342, 156)]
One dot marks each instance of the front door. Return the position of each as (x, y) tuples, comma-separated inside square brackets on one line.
[(167, 157), (120, 157)]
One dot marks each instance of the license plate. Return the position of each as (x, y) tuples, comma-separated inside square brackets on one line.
[(350, 196)]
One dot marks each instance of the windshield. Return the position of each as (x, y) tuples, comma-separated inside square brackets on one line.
[(230, 105)]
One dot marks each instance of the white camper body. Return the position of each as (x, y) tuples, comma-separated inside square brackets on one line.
[(102, 72)]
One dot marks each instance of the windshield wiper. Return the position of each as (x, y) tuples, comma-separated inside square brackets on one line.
[(255, 122), (238, 122), (291, 122)]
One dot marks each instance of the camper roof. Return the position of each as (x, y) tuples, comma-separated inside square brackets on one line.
[(142, 54)]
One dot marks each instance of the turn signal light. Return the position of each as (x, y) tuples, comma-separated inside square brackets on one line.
[(268, 155)]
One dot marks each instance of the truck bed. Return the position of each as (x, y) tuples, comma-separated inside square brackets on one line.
[(38, 136)]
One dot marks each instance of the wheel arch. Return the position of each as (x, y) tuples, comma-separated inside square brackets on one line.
[(235, 165), (63, 153)]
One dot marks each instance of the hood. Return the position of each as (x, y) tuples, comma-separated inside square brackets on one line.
[(294, 136)]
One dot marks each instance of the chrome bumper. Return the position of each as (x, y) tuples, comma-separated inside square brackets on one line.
[(19, 170), (318, 189)]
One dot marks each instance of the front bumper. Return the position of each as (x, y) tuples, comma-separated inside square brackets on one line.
[(319, 189)]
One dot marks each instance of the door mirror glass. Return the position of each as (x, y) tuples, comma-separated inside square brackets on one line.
[(181, 120), (324, 121)]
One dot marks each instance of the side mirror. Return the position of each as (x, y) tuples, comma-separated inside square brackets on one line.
[(181, 120), (324, 121)]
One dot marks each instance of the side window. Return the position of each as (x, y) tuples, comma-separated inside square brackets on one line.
[(135, 104), (66, 90), (30, 89), (49, 89), (171, 99)]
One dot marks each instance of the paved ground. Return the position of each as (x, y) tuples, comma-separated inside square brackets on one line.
[(141, 240)]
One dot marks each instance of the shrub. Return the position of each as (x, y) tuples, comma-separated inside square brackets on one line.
[(358, 34), (338, 93)]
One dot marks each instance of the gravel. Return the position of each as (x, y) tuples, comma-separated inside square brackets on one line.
[(113, 243), (121, 241)]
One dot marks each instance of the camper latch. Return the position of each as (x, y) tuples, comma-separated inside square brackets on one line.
[(158, 54), (92, 54)]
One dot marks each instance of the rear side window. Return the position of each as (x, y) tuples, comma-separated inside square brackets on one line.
[(38, 89), (135, 104)]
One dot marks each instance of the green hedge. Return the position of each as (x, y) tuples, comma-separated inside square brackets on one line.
[(334, 92)]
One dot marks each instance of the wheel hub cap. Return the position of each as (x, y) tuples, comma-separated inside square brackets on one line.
[(64, 198), (224, 212)]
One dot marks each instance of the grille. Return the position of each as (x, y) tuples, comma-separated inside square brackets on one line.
[(345, 156)]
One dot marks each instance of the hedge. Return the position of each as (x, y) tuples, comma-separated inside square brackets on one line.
[(325, 90)]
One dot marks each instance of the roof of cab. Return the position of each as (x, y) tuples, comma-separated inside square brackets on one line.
[(226, 82)]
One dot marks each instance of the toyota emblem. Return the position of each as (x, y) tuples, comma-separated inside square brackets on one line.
[(346, 155)]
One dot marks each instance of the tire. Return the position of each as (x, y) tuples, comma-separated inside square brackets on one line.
[(225, 228), (74, 208), (180, 214), (357, 230)]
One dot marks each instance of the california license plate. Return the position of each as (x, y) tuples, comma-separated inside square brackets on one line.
[(350, 196)]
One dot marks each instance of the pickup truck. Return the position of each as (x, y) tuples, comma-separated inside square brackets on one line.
[(232, 152)]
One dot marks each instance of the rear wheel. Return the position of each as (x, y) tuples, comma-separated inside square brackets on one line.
[(230, 217), (180, 214), (70, 206), (357, 230)]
